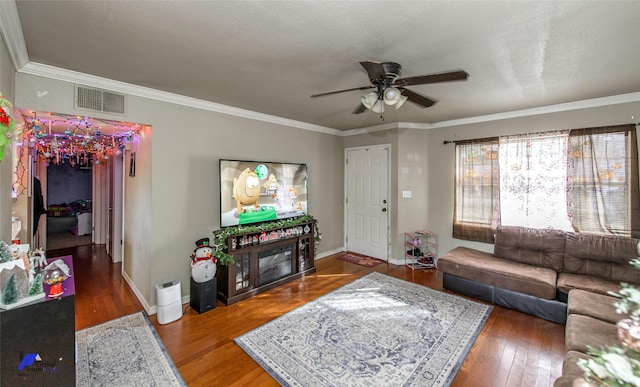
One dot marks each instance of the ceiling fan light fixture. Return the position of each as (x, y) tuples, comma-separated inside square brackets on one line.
[(378, 107), (401, 100), (392, 96), (385, 78), (369, 99)]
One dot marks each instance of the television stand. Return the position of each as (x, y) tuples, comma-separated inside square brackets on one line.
[(264, 260)]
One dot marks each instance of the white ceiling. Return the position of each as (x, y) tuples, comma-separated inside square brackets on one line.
[(270, 56)]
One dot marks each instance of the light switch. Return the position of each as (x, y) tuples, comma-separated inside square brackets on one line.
[(406, 194)]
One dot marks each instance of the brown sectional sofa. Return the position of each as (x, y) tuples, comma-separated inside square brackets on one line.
[(559, 276), (590, 323)]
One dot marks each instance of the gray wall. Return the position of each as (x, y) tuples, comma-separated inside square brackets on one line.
[(173, 199), (7, 88)]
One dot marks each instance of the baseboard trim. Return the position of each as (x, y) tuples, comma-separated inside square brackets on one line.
[(330, 252), (137, 292)]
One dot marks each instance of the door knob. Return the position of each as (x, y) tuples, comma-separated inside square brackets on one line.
[(384, 210)]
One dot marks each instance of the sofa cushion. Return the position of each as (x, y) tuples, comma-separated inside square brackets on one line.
[(583, 332), (565, 381), (484, 268), (603, 256), (570, 369), (567, 281), (539, 247), (594, 305)]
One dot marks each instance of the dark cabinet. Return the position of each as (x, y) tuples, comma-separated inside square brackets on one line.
[(264, 260), (37, 340)]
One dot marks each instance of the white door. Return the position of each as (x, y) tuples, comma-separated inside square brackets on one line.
[(100, 203), (115, 236), (367, 201)]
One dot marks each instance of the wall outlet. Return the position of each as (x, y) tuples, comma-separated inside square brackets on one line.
[(406, 194)]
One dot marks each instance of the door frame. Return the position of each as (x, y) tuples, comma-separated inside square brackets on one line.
[(116, 196), (346, 194), (39, 169)]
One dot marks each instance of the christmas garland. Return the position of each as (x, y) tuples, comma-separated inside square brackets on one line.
[(220, 237)]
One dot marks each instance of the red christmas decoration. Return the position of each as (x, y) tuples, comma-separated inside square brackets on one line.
[(4, 117)]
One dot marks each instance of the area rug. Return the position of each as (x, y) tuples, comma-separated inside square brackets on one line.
[(375, 331), (360, 260), (124, 352)]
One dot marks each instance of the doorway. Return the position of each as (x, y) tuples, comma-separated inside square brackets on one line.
[(77, 162), (367, 201), (69, 199)]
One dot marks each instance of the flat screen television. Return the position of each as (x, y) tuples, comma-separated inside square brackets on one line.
[(257, 191)]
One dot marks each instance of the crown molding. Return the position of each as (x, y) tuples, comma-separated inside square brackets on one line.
[(548, 109), (11, 30), (562, 107), (389, 126), (370, 129), (42, 70)]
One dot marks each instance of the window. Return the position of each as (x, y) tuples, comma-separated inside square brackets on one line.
[(477, 189), (584, 180), (603, 181), (533, 180)]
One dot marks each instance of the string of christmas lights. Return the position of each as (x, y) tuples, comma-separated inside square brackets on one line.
[(84, 141)]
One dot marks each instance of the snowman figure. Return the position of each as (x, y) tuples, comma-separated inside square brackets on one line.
[(203, 264)]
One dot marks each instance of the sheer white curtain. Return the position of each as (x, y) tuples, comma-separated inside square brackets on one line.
[(533, 180)]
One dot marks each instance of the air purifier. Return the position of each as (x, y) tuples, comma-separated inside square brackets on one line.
[(169, 296)]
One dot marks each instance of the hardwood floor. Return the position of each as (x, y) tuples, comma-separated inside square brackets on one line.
[(101, 292), (514, 349)]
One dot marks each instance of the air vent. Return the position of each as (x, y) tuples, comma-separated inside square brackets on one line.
[(99, 100)]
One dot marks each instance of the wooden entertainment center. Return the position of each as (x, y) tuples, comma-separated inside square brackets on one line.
[(266, 259)]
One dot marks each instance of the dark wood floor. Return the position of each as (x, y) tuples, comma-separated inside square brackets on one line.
[(514, 349)]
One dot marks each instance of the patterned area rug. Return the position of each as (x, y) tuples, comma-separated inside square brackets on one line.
[(360, 260), (375, 331), (124, 352)]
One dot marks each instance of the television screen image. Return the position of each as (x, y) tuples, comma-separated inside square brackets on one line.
[(253, 191)]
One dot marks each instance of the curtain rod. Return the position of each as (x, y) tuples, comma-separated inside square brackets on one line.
[(495, 138), (445, 142)]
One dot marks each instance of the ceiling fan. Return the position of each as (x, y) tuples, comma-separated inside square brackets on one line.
[(390, 88)]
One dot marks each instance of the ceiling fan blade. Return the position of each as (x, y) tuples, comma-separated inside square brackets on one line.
[(433, 78), (375, 70), (417, 98), (342, 91), (360, 109)]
